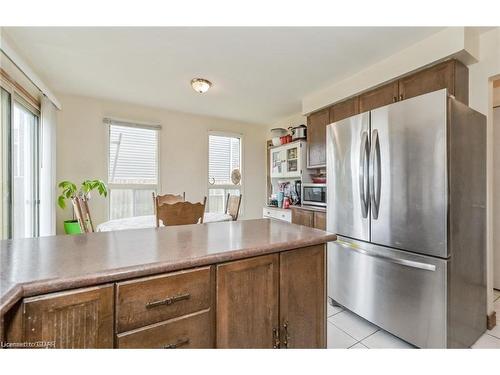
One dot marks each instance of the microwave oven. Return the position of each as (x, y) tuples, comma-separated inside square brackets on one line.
[(314, 194)]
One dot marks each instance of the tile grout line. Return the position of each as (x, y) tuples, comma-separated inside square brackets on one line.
[(357, 341)]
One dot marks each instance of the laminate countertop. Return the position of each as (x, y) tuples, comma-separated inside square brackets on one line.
[(36, 266)]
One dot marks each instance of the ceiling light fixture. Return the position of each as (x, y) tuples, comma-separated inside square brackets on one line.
[(200, 85)]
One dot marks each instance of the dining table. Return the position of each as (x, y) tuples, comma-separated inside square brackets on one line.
[(149, 221)]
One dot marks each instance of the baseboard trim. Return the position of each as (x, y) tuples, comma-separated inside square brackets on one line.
[(491, 321)]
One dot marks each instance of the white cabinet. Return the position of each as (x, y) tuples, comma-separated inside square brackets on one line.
[(288, 160), (277, 213)]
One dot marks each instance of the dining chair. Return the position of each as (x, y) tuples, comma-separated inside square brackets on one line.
[(233, 205), (82, 213), (169, 198), (180, 213)]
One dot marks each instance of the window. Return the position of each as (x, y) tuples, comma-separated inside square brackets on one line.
[(224, 168), (132, 168)]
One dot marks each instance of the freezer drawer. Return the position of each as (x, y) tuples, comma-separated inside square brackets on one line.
[(400, 292)]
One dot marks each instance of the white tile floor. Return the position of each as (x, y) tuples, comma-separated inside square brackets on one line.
[(347, 330)]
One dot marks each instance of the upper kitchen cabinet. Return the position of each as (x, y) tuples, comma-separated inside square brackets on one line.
[(345, 109), (452, 75), (288, 160), (316, 137), (379, 97)]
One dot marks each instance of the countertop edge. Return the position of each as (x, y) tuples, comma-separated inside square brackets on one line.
[(18, 291)]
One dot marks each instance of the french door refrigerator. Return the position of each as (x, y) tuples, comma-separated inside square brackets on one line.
[(407, 199)]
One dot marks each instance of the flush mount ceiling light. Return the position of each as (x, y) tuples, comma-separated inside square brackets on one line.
[(200, 85)]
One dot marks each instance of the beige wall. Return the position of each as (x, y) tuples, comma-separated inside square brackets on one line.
[(82, 150)]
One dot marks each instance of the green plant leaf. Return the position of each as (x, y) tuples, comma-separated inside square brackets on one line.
[(61, 201)]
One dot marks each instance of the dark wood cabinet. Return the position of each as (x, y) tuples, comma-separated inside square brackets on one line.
[(302, 298), (344, 109), (247, 303), (79, 319), (451, 74), (302, 217), (316, 138), (379, 97), (309, 218), (320, 220)]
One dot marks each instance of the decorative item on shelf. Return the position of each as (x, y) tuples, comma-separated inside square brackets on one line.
[(276, 135), (319, 178), (286, 202), (71, 191), (235, 176), (200, 85), (298, 132), (280, 196)]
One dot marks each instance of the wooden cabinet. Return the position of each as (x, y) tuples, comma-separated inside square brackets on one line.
[(247, 303), (302, 298), (379, 97), (149, 300), (320, 220), (302, 217), (273, 301), (316, 138), (345, 109), (80, 319), (192, 331), (452, 75), (309, 218)]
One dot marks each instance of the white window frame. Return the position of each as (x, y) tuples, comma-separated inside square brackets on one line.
[(239, 187), (108, 121)]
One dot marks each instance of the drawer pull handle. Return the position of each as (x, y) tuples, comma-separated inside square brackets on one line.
[(168, 301), (177, 344)]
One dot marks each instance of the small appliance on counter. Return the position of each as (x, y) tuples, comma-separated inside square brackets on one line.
[(314, 194)]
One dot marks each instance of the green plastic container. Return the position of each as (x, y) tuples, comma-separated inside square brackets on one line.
[(72, 227)]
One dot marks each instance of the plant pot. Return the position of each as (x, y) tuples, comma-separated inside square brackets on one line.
[(72, 227)]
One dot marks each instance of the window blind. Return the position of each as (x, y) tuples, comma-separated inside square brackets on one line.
[(133, 155), (224, 157)]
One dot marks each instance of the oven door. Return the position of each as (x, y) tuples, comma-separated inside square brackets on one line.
[(314, 194), (401, 292)]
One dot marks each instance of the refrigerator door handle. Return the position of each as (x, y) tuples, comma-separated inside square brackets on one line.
[(392, 259), (375, 175), (363, 176)]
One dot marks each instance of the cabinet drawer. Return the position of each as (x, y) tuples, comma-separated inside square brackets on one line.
[(280, 214), (153, 299), (190, 331)]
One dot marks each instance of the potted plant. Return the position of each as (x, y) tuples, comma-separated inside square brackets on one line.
[(69, 190)]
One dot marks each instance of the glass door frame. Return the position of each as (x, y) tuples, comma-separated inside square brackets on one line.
[(35, 162), (6, 139)]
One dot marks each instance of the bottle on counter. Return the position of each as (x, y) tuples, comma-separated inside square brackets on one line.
[(286, 202)]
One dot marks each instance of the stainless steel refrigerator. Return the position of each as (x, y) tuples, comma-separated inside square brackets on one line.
[(406, 195)]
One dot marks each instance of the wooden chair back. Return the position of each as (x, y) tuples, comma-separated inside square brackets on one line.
[(180, 213), (82, 213), (233, 205), (167, 198)]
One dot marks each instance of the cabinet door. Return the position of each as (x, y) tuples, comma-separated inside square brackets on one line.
[(247, 302), (379, 97), (303, 298), (74, 319), (302, 217), (316, 138), (450, 74), (292, 160), (277, 162), (345, 109), (320, 220)]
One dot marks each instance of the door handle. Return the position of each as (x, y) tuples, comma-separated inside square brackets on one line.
[(375, 175), (168, 301), (285, 334), (396, 260), (363, 183), (177, 344), (276, 338)]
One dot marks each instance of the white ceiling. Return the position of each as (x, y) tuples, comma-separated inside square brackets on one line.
[(259, 74)]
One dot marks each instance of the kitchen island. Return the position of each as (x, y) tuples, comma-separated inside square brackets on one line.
[(244, 284)]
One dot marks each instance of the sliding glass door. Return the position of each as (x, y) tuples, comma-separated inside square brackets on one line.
[(5, 105), (24, 172)]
